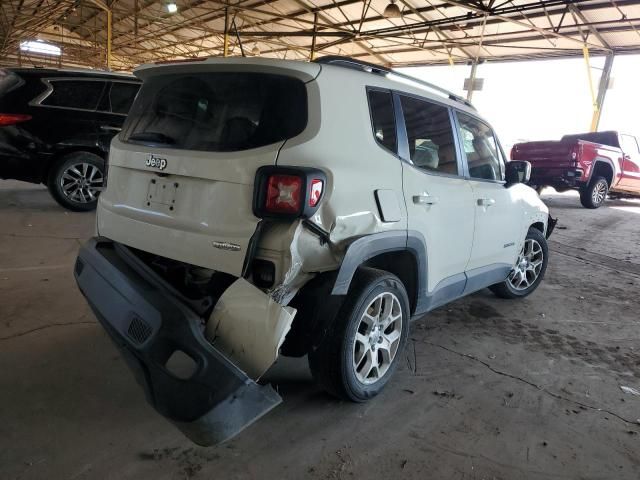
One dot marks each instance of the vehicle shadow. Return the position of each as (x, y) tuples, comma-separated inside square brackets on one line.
[(26, 197)]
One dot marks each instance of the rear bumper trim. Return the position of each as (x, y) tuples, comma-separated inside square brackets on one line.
[(148, 325)]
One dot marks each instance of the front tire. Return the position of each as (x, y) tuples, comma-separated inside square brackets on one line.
[(594, 194), (529, 270), (359, 353), (76, 179)]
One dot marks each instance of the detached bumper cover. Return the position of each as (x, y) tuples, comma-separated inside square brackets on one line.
[(148, 324)]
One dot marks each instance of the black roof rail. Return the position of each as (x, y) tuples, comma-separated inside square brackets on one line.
[(361, 65)]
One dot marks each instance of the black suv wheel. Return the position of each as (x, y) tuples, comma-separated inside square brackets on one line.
[(76, 179)]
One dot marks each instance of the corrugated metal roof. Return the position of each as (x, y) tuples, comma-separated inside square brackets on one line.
[(428, 32)]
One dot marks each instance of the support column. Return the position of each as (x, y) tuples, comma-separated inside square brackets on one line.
[(109, 37), (226, 32), (602, 91), (472, 80), (312, 55), (101, 4), (135, 20)]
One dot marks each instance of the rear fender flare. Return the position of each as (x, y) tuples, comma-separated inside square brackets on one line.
[(599, 160), (375, 244)]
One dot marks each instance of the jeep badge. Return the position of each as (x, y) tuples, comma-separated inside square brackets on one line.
[(154, 161)]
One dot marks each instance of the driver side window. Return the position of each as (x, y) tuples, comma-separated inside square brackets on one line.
[(484, 156)]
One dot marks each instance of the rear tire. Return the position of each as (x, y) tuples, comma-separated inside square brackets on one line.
[(359, 353), (594, 194), (529, 269), (76, 179)]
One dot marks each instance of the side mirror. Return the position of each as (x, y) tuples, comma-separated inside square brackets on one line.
[(517, 171)]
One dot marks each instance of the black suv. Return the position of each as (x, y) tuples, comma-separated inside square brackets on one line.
[(56, 127)]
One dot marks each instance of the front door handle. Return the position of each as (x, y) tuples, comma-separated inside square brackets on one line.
[(486, 202), (109, 128), (424, 199)]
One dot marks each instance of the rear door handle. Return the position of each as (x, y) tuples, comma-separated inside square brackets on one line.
[(109, 128), (486, 202), (424, 199)]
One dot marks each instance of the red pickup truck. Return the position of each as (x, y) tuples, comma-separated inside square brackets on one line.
[(596, 164)]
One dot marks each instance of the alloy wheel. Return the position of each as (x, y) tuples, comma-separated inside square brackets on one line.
[(82, 182), (377, 338), (599, 192), (529, 265)]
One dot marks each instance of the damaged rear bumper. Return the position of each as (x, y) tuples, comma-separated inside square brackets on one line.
[(149, 324)]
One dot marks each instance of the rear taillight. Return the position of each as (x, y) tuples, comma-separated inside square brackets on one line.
[(283, 194), (8, 119), (316, 191), (575, 150), (287, 192)]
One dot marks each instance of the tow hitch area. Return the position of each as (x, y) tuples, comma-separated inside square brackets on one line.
[(216, 400)]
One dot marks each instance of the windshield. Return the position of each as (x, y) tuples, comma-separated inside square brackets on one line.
[(217, 112)]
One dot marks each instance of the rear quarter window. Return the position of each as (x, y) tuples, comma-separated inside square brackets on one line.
[(79, 94), (217, 112), (383, 119)]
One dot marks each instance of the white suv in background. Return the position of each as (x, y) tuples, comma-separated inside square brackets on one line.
[(258, 207)]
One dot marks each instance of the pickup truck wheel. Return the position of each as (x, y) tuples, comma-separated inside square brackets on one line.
[(76, 179), (594, 194), (529, 269), (359, 353)]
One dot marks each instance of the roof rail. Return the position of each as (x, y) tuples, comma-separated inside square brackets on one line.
[(349, 62)]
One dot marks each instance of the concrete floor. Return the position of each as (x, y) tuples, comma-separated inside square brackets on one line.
[(488, 389)]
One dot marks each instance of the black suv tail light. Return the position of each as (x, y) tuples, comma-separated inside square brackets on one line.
[(287, 192), (8, 119)]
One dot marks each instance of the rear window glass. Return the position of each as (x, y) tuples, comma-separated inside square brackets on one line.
[(81, 94), (217, 112)]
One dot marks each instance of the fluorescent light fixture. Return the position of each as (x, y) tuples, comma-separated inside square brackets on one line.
[(38, 46), (172, 7)]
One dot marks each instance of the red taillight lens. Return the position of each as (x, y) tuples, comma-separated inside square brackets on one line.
[(575, 150), (8, 119), (316, 192), (284, 194)]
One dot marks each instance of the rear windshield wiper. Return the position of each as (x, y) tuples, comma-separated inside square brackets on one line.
[(155, 137)]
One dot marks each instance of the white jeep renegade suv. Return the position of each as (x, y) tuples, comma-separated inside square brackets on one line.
[(257, 207)]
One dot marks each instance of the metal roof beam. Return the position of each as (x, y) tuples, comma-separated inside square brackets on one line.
[(578, 13)]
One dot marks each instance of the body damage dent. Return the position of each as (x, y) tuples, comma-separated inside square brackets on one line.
[(248, 326), (309, 254)]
